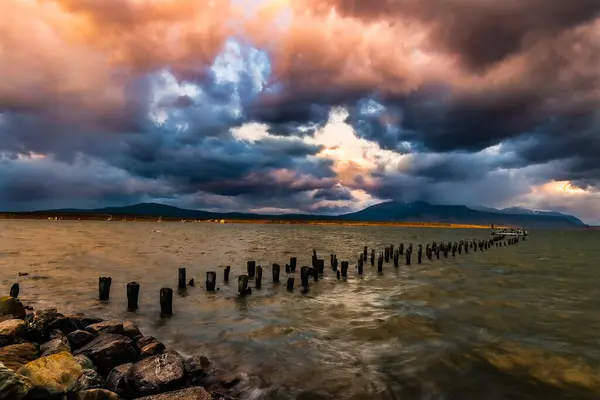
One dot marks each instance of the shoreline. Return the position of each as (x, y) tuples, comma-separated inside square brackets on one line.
[(48, 355), (400, 224)]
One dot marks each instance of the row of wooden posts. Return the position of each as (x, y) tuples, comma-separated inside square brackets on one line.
[(318, 268)]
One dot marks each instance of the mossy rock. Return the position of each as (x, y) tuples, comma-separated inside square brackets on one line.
[(11, 306), (55, 374), (12, 385)]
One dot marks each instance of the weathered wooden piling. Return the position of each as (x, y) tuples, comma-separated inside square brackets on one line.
[(226, 273), (396, 258), (304, 275), (446, 249), (133, 294), (258, 278), (275, 271), (315, 274), (401, 249), (166, 302), (243, 285), (372, 257), (104, 288), (290, 284), (454, 248), (391, 250), (182, 280), (293, 263), (251, 268), (360, 265), (419, 254), (320, 267), (386, 254), (408, 255), (14, 290), (344, 269), (192, 283), (211, 281), (380, 262), (364, 254)]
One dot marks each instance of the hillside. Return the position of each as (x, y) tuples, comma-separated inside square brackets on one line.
[(391, 211)]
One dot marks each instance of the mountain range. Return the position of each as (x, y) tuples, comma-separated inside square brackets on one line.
[(390, 211)]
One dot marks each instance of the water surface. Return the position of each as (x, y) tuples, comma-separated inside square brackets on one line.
[(520, 322)]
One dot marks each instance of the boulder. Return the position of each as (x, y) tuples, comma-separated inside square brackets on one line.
[(79, 338), (144, 341), (152, 349), (196, 369), (131, 330), (17, 355), (12, 306), (106, 327), (37, 327), (196, 393), (108, 351), (55, 346), (117, 380), (9, 330), (12, 385), (82, 320), (57, 334), (85, 362), (157, 374), (89, 379), (64, 324), (54, 375), (97, 394)]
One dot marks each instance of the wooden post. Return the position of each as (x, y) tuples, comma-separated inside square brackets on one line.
[(181, 284), (293, 262), (251, 268), (380, 263), (391, 250), (372, 257), (104, 288), (290, 284), (338, 274), (315, 274), (304, 273), (211, 281), (14, 290), (396, 258), (243, 285), (258, 279), (408, 254), (133, 294), (226, 273), (419, 254), (344, 269), (276, 270), (454, 247), (321, 266), (192, 283), (166, 301), (360, 265), (365, 253), (386, 254), (401, 249)]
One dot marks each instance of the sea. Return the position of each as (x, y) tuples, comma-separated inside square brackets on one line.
[(515, 322)]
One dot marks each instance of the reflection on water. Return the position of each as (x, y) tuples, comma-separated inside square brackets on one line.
[(513, 323)]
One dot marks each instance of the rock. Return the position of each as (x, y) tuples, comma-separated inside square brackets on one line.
[(152, 349), (12, 385), (106, 327), (64, 324), (85, 362), (17, 355), (108, 351), (57, 334), (38, 325), (117, 380), (97, 394), (195, 369), (157, 374), (131, 330), (9, 330), (79, 338), (89, 379), (56, 374), (11, 306), (82, 320), (195, 393), (55, 346)]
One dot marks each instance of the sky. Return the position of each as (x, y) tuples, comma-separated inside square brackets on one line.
[(316, 106)]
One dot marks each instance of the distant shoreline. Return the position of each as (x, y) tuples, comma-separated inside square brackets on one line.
[(115, 218)]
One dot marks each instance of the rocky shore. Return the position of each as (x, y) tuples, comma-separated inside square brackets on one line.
[(48, 355)]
